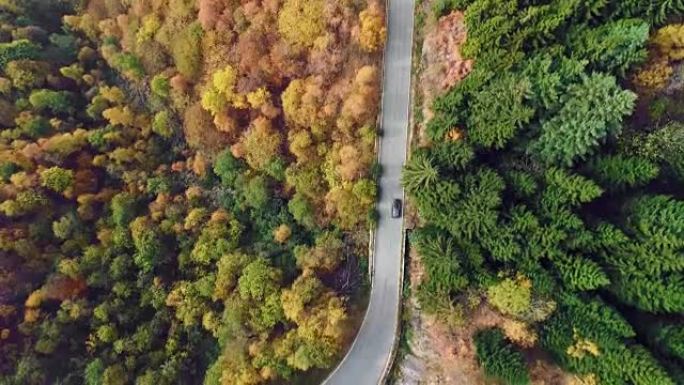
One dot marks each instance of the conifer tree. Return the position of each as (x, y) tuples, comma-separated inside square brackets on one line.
[(499, 359), (618, 172)]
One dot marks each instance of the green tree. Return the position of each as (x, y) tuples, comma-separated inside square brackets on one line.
[(579, 273), (33, 126), (612, 47), (123, 207), (228, 168), (302, 210), (57, 102), (148, 244), (258, 280), (18, 50), (93, 372), (256, 191), (419, 173), (220, 236), (592, 111), (668, 338), (619, 172), (129, 65), (57, 179), (499, 359), (647, 269), (498, 110), (161, 124), (161, 86), (441, 259)]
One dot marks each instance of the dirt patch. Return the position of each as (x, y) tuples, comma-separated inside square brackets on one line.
[(441, 356), (441, 64), (444, 65)]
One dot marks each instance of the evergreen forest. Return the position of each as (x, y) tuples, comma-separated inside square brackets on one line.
[(552, 188)]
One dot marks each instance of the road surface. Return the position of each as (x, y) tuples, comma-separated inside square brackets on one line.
[(367, 361)]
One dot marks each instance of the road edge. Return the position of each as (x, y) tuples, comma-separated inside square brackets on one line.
[(372, 229), (397, 332)]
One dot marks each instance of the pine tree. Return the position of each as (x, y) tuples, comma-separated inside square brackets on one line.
[(440, 257), (563, 188), (452, 155), (419, 173), (592, 111), (618, 172), (654, 11), (668, 338), (587, 336), (499, 358), (612, 47), (580, 274), (648, 267), (498, 111)]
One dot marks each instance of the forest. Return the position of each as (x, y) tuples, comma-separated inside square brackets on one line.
[(552, 189), (186, 187)]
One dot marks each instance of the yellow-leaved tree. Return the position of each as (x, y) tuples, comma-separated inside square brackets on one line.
[(221, 92), (301, 22), (372, 31)]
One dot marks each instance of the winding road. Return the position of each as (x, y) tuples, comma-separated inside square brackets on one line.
[(370, 356)]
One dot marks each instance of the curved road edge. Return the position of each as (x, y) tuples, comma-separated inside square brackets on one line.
[(370, 357)]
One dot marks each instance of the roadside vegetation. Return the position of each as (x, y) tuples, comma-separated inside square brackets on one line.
[(550, 189), (186, 188)]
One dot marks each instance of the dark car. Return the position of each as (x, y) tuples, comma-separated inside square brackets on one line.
[(396, 208)]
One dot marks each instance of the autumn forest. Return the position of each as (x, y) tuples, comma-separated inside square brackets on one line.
[(186, 187)]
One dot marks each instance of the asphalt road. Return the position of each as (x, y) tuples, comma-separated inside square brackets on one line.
[(367, 360)]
